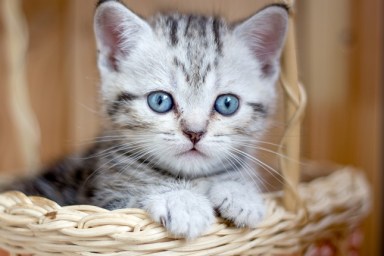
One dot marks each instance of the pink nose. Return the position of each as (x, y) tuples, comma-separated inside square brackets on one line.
[(193, 136)]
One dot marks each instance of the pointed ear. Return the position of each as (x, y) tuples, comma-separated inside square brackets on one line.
[(264, 33), (117, 31)]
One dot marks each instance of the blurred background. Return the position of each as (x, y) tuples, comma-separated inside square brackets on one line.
[(340, 48)]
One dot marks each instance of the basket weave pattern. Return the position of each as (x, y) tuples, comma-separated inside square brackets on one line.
[(334, 204)]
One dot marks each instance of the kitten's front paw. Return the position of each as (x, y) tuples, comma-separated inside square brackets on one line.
[(238, 203), (183, 213)]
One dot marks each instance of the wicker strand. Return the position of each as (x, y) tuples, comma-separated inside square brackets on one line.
[(294, 106)]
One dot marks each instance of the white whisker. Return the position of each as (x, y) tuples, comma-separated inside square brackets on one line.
[(265, 166)]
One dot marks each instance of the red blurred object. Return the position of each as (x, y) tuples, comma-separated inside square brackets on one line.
[(327, 248), (3, 253)]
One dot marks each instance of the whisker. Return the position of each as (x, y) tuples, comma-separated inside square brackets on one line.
[(255, 144), (114, 138), (265, 166), (243, 164), (129, 163), (251, 172), (115, 148)]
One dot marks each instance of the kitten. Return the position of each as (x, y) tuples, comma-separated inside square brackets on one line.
[(184, 98)]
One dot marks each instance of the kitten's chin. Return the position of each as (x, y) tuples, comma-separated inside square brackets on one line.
[(191, 161), (194, 163)]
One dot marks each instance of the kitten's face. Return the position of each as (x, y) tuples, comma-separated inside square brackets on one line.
[(187, 92)]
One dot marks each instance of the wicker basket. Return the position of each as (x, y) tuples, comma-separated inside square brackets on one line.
[(301, 214), (335, 204)]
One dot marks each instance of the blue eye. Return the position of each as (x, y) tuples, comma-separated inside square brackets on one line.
[(227, 104), (160, 102)]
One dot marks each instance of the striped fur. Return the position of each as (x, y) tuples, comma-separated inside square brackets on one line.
[(150, 160)]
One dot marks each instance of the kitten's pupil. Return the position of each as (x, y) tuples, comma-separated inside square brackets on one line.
[(227, 102), (159, 100)]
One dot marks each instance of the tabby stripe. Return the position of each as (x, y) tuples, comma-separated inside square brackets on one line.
[(173, 30), (258, 107), (190, 17), (126, 96), (131, 155), (207, 70), (177, 63), (216, 33), (121, 99), (145, 162), (203, 26)]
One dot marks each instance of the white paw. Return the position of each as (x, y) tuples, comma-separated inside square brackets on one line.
[(182, 212), (239, 203)]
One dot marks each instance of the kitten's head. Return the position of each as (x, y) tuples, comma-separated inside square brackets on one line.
[(187, 92)]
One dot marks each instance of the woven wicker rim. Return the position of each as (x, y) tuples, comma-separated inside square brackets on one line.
[(335, 204)]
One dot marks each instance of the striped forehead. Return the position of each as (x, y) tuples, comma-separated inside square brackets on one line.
[(197, 43)]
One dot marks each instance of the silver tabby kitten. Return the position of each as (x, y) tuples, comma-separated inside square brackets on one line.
[(184, 96)]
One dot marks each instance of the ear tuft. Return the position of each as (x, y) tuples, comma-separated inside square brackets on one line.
[(264, 33), (117, 31)]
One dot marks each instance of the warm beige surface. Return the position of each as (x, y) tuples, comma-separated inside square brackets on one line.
[(231, 10), (340, 52)]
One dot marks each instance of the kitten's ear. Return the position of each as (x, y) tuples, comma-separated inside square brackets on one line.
[(264, 33), (117, 31)]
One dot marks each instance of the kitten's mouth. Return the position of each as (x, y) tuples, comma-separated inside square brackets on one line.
[(193, 152)]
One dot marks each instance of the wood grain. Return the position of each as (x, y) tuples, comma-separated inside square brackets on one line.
[(341, 46), (366, 104)]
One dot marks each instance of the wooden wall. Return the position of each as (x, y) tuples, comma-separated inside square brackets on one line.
[(341, 57), (62, 79), (340, 50)]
